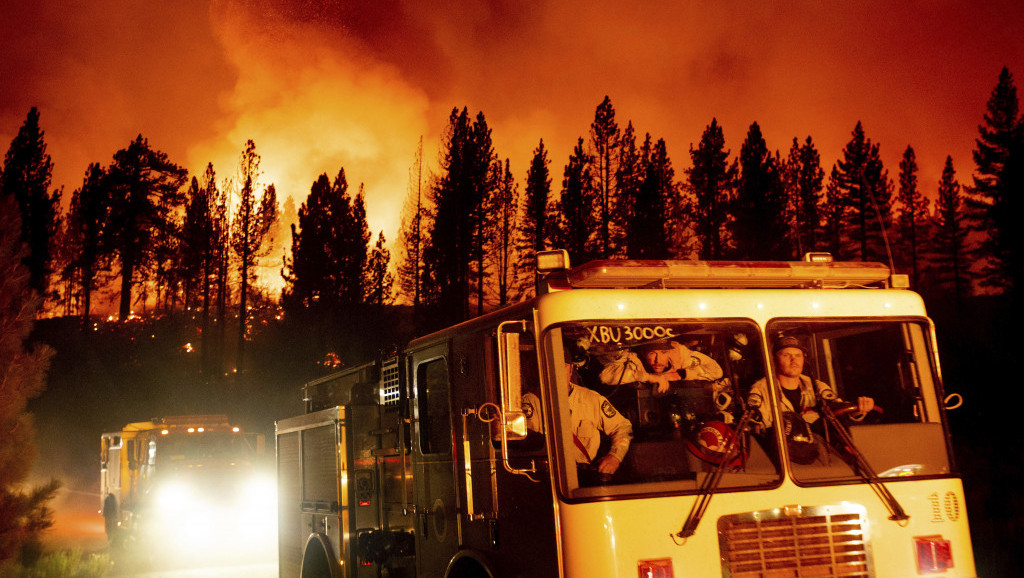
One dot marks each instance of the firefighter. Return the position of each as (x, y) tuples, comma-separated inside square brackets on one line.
[(659, 362), (592, 414)]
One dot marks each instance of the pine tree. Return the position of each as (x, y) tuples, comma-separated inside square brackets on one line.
[(913, 217), (865, 188), (648, 232), (454, 260), (327, 271), (604, 153), (503, 241), (1008, 213), (629, 177), (534, 233), (803, 181), (950, 256), (378, 278), (88, 220), (23, 514), (759, 208), (711, 180), (252, 222), (145, 185), (26, 177), (991, 202), (576, 214), (412, 235)]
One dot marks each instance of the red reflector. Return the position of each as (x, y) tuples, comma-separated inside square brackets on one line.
[(658, 568), (934, 554), (364, 502)]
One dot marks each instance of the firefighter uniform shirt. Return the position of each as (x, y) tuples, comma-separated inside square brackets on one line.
[(591, 414)]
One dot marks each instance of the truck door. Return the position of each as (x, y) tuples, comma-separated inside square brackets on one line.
[(436, 506)]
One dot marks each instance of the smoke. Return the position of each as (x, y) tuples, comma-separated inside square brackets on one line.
[(320, 85)]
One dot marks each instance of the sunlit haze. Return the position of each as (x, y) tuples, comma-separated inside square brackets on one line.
[(324, 85)]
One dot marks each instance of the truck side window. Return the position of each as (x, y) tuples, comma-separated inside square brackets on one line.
[(434, 412)]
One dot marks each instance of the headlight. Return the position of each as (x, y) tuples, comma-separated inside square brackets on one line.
[(259, 491), (174, 498)]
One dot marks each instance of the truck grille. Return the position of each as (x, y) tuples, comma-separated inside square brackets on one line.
[(796, 542)]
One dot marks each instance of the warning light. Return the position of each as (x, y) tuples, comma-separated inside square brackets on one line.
[(934, 554), (657, 568)]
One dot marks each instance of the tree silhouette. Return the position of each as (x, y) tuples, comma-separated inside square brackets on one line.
[(26, 177), (534, 233), (576, 212), (913, 216), (803, 181), (145, 185), (711, 180), (454, 260), (412, 235), (503, 242), (649, 231), (23, 514), (378, 278), (629, 176), (992, 202), (326, 273), (88, 220), (759, 208), (865, 189), (604, 147), (950, 256)]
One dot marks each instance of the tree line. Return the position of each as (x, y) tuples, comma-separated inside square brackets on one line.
[(467, 237)]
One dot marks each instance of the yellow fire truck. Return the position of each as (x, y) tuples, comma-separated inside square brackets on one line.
[(550, 439), (186, 486)]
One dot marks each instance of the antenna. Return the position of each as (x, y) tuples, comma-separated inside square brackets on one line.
[(881, 226)]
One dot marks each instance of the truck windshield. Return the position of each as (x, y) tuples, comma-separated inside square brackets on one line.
[(208, 448), (848, 365), (650, 407)]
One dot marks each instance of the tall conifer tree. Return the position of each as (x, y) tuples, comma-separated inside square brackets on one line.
[(577, 212), (22, 377), (145, 186), (994, 204), (604, 154), (951, 251), (913, 217), (759, 209), (711, 181), (866, 190), (534, 233), (26, 175)]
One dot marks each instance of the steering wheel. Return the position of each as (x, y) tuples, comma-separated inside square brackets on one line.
[(848, 412)]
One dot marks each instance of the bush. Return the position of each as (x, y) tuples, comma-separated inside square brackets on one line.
[(64, 564)]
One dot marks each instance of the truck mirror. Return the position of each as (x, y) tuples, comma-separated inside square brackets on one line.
[(512, 386)]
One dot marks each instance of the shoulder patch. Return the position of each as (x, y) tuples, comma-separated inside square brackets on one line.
[(607, 409), (528, 409)]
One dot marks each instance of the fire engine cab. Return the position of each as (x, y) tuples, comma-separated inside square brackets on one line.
[(187, 487), (639, 418)]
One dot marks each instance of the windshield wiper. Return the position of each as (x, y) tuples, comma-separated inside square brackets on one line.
[(714, 479), (863, 468)]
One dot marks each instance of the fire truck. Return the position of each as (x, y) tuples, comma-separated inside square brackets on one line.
[(546, 439), (186, 486)]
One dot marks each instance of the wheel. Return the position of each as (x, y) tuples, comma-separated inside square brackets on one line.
[(110, 520)]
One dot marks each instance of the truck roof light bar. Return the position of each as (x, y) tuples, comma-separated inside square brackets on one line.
[(727, 274)]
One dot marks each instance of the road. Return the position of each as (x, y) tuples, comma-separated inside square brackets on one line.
[(78, 524)]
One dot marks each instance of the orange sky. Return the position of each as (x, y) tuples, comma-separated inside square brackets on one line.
[(321, 85)]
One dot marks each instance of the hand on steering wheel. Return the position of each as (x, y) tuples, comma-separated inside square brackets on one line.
[(853, 412)]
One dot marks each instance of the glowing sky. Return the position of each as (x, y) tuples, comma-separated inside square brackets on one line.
[(321, 85)]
